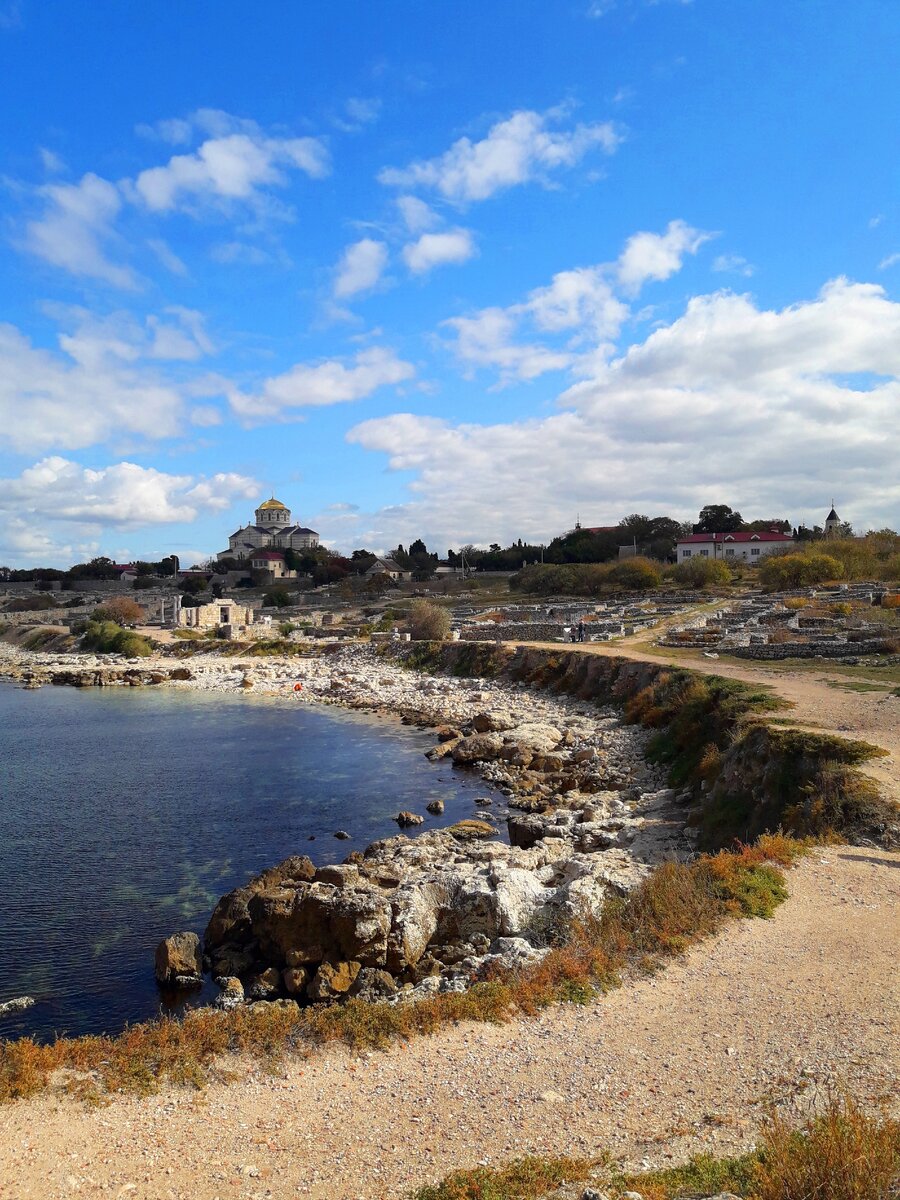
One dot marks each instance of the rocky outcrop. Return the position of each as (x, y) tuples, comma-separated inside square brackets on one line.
[(19, 1004), (436, 911), (179, 962)]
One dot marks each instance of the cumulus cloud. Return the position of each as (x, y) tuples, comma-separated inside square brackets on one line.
[(236, 164), (579, 304), (417, 215), (75, 227), (314, 385), (764, 410), (489, 339), (360, 268), (438, 249), (106, 381), (123, 494), (522, 148), (657, 256), (229, 168)]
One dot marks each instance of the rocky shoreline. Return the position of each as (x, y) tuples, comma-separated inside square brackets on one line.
[(414, 915)]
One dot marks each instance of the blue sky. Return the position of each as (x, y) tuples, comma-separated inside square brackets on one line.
[(452, 270)]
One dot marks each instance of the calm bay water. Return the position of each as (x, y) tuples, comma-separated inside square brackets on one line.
[(126, 813)]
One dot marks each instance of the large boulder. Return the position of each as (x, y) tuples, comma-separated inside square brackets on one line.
[(478, 747), (538, 737), (179, 962), (492, 722)]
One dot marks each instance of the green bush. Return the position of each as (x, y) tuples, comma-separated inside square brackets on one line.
[(780, 572), (428, 622), (107, 637), (636, 574), (702, 573), (277, 598)]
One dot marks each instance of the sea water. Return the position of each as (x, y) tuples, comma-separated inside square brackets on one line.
[(125, 813)]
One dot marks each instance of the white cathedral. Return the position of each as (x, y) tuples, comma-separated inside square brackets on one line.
[(272, 528)]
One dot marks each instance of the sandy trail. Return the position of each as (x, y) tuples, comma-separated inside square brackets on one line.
[(664, 1067)]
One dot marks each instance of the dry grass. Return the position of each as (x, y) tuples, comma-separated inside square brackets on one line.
[(843, 1154), (524, 1179), (673, 908)]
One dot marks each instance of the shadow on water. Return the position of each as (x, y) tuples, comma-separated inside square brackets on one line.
[(126, 813)]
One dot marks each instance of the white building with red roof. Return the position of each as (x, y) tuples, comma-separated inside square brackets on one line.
[(732, 547)]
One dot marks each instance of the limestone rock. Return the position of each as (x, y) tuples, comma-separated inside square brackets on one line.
[(264, 986), (19, 1004), (179, 962), (435, 807), (407, 819), (333, 980), (295, 979), (478, 747), (231, 993), (492, 722)]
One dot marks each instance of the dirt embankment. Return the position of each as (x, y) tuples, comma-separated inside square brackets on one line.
[(677, 1063)]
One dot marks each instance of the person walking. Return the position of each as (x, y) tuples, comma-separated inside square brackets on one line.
[(581, 630)]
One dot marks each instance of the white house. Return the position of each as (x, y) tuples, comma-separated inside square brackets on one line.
[(387, 566), (273, 562), (732, 547)]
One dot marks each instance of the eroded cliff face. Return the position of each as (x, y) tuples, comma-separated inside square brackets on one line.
[(740, 775)]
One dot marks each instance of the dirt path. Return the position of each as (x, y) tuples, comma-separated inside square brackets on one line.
[(663, 1068), (821, 700)]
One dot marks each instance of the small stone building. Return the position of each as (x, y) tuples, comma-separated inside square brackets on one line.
[(223, 613)]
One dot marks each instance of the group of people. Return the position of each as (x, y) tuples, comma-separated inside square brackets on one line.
[(576, 633)]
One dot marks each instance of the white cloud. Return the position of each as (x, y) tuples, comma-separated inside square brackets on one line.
[(770, 411), (733, 264), (417, 215), (101, 385), (334, 381), (76, 223), (229, 253), (124, 494), (580, 304), (167, 256), (487, 339), (517, 150), (52, 162), (360, 268), (437, 249), (657, 256), (232, 167), (582, 298), (890, 261)]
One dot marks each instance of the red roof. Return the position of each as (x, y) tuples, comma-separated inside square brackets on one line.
[(271, 555), (771, 535)]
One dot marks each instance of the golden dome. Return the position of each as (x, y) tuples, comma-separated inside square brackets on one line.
[(273, 503)]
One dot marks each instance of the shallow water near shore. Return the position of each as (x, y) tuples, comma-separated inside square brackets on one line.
[(125, 814)]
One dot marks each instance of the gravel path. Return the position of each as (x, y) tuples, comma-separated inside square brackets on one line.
[(658, 1070)]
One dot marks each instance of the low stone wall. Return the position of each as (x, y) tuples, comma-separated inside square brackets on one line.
[(531, 631), (810, 650)]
